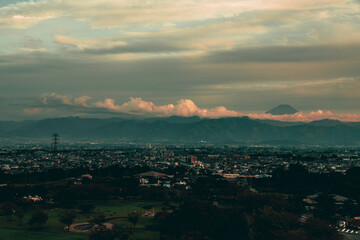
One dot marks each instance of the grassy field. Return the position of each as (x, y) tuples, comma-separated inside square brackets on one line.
[(53, 229), (16, 234)]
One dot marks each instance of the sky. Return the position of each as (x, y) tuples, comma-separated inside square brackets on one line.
[(218, 58)]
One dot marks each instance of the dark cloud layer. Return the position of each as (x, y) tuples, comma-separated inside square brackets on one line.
[(288, 54), (238, 86), (138, 47)]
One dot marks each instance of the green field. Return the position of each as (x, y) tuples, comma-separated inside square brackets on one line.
[(53, 229), (16, 234)]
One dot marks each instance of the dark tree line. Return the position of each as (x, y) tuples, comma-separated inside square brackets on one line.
[(270, 221)]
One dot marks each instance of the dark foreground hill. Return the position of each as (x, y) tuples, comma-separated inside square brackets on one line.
[(188, 130)]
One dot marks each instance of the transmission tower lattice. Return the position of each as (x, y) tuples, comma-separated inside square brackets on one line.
[(55, 142)]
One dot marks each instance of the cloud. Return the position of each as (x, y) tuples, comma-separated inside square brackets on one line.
[(137, 106), (210, 24), (243, 87), (288, 54), (187, 108), (170, 26), (32, 111), (308, 117), (246, 55), (54, 99), (183, 108), (88, 43), (111, 13), (9, 2), (31, 45), (139, 47), (134, 106)]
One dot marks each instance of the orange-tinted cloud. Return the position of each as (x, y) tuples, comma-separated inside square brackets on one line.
[(308, 116), (32, 111), (186, 108)]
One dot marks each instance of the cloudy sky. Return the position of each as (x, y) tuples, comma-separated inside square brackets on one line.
[(179, 57)]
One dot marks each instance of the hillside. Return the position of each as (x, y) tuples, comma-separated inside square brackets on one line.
[(193, 130)]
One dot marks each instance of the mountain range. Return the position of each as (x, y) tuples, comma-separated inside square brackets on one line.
[(240, 130)]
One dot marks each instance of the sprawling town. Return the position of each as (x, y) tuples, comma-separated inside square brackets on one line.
[(312, 189), (227, 161)]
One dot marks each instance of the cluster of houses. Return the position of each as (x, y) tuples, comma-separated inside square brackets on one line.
[(157, 179)]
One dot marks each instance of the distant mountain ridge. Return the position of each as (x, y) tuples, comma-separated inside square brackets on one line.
[(282, 109), (237, 130)]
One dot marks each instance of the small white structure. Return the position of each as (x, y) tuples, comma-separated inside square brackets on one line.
[(35, 198), (341, 223)]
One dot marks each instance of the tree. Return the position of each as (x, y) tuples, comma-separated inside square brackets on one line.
[(350, 208), (133, 217), (199, 220), (353, 174), (7, 209), (24, 204), (39, 217), (271, 224), (86, 208), (67, 218), (66, 197), (114, 233), (318, 229), (99, 219), (19, 213), (325, 207)]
